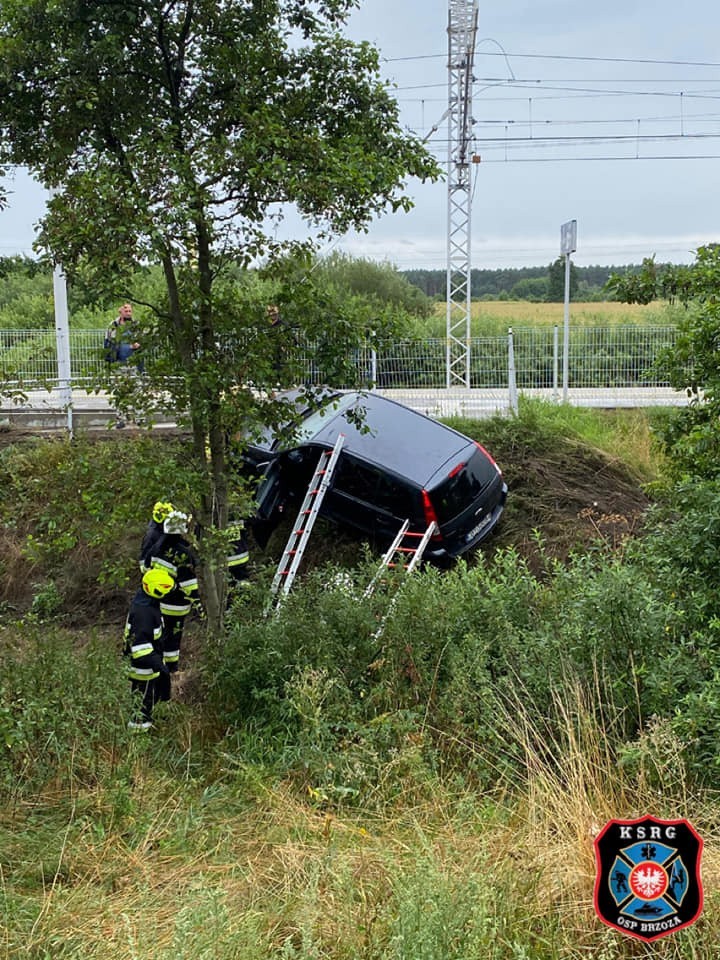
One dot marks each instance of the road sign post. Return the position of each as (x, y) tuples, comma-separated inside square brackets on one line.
[(568, 245)]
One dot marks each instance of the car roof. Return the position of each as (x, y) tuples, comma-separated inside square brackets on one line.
[(393, 436)]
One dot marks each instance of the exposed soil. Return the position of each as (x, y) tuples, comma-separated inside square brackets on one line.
[(572, 496)]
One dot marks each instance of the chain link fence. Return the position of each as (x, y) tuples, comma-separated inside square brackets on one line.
[(599, 357)]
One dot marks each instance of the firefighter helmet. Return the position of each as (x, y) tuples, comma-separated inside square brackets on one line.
[(161, 509), (156, 582), (176, 522)]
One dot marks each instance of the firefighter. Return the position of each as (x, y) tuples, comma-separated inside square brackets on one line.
[(238, 557), (149, 675), (172, 552), (154, 530)]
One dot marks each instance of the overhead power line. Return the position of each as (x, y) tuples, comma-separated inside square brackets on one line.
[(563, 57)]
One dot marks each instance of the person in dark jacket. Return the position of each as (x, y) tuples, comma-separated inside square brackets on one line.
[(172, 553), (154, 530), (149, 675)]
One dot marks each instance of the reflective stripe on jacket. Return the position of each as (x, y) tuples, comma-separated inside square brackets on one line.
[(143, 637)]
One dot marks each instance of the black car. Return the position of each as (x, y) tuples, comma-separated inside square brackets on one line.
[(395, 464)]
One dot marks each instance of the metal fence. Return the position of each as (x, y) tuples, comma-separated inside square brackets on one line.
[(599, 357)]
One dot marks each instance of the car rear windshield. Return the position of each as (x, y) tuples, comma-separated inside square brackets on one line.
[(462, 487)]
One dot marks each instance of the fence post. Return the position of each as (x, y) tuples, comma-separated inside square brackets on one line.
[(555, 364), (512, 383), (62, 339)]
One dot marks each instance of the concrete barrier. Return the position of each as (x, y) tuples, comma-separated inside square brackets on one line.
[(46, 410)]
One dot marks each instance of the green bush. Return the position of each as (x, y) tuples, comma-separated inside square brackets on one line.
[(85, 526), (455, 648)]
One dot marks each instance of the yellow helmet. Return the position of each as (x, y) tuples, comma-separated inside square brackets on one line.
[(161, 509), (156, 583)]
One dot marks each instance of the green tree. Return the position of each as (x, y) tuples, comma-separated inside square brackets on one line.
[(173, 134), (691, 436), (531, 288), (556, 281), (381, 283)]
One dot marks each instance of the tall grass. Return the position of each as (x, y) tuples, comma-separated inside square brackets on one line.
[(227, 862), (626, 435), (431, 794)]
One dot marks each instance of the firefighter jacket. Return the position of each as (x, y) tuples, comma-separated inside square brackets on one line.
[(153, 533), (143, 633), (239, 553), (173, 553)]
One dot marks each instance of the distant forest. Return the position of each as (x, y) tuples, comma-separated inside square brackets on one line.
[(541, 284)]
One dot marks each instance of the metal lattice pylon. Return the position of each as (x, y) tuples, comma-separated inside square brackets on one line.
[(462, 30)]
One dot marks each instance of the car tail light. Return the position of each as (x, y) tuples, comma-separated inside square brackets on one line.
[(489, 456), (430, 515), (455, 470)]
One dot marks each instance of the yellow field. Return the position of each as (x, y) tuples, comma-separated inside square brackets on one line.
[(494, 316), (549, 313)]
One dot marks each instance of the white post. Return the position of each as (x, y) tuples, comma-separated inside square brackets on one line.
[(512, 380), (373, 363), (62, 339), (555, 364), (568, 245), (566, 330)]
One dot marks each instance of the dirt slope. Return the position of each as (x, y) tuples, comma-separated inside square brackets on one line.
[(573, 495)]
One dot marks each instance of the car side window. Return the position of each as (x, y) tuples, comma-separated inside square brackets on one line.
[(356, 479), (374, 486), (394, 496)]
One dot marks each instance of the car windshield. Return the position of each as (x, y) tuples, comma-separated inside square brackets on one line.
[(317, 419)]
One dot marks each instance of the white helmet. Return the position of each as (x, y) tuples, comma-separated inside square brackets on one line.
[(176, 522)]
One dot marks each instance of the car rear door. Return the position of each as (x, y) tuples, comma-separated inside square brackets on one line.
[(270, 498), (468, 500), (370, 498)]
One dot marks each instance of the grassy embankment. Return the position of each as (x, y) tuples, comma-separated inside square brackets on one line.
[(301, 801)]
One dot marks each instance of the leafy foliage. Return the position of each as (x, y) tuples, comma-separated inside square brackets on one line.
[(457, 648), (692, 437), (173, 136), (83, 529)]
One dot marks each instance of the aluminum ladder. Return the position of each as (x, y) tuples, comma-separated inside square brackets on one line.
[(395, 557), (406, 551), (295, 547)]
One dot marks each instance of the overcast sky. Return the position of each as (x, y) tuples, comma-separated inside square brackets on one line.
[(605, 113)]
